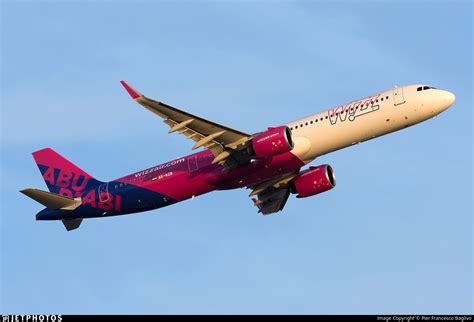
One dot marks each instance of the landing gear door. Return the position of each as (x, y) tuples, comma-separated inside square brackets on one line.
[(398, 97), (103, 192)]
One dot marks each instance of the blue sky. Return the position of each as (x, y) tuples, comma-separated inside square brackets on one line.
[(394, 236)]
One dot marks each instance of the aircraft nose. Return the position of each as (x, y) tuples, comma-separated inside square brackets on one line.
[(449, 98), (445, 100)]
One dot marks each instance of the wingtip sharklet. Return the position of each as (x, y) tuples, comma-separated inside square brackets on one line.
[(133, 93)]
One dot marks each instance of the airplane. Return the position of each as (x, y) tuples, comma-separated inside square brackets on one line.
[(269, 162)]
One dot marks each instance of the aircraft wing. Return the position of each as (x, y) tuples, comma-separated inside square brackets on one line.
[(221, 140), (272, 194), (271, 201)]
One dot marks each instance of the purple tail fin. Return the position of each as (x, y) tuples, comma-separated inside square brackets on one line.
[(61, 175)]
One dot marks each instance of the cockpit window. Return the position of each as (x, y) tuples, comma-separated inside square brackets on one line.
[(424, 88)]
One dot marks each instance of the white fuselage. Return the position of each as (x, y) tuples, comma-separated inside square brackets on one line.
[(366, 118)]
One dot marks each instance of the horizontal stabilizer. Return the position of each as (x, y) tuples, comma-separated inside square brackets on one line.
[(72, 224), (52, 200)]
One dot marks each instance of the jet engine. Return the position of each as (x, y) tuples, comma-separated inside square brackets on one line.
[(274, 141), (313, 181)]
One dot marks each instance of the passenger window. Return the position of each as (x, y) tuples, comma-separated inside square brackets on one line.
[(426, 87), (419, 89)]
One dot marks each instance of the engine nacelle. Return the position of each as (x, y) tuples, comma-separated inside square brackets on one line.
[(313, 181), (274, 141)]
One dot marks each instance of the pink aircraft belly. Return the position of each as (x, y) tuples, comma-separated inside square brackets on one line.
[(256, 171), (184, 184)]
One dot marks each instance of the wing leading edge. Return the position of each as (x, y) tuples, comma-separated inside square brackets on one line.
[(221, 140)]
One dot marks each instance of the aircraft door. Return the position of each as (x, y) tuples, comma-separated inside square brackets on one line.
[(103, 192), (192, 163), (398, 97)]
